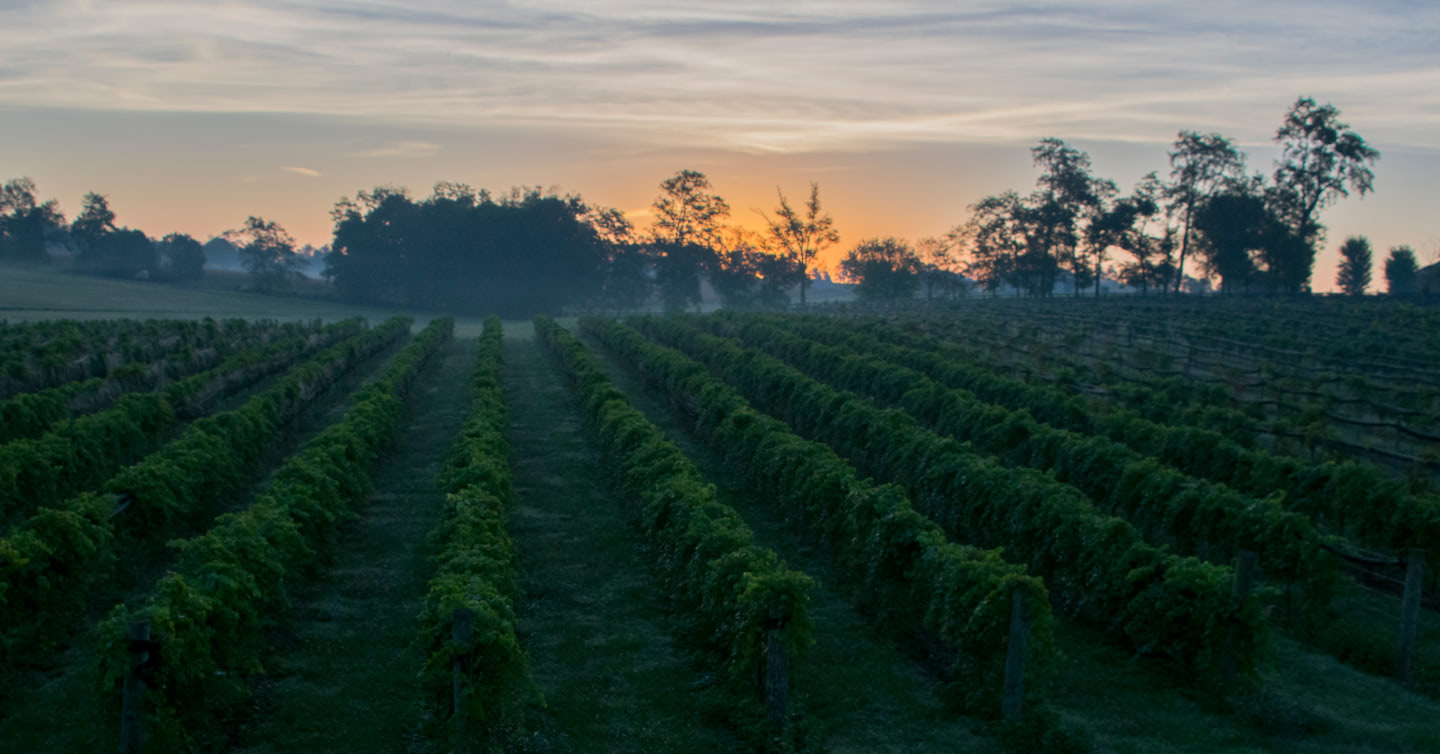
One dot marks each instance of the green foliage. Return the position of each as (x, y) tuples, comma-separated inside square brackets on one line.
[(1195, 516), (885, 269), (83, 453), (1346, 498), (904, 568), (1100, 564), (60, 553), (209, 614), (1355, 261), (476, 570), (732, 591), (1402, 272)]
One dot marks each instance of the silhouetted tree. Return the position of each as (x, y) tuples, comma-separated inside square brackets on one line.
[(1137, 225), (939, 273), (221, 254), (1233, 226), (1356, 259), (1200, 166), (1069, 199), (124, 252), (685, 236), (525, 252), (627, 282), (104, 249), (747, 274), (1321, 161), (267, 252), (1401, 271), (994, 238), (27, 224), (183, 257), (95, 221), (884, 269), (802, 237), (688, 212)]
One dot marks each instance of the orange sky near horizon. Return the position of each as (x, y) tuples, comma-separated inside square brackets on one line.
[(191, 117)]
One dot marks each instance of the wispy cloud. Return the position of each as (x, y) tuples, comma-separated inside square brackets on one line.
[(302, 171), (401, 149), (746, 74)]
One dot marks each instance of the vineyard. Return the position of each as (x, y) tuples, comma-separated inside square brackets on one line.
[(1008, 526)]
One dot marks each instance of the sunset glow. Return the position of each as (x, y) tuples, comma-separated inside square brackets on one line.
[(191, 117)]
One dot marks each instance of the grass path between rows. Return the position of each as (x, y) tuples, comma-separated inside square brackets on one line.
[(859, 691), (53, 708), (343, 676), (600, 647)]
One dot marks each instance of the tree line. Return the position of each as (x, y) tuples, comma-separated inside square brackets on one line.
[(31, 229), (529, 251), (1248, 231)]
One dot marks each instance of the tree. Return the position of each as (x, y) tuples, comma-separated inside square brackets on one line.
[(938, 268), (524, 252), (802, 238), (1401, 271), (1138, 225), (685, 235), (687, 212), (26, 224), (1321, 161), (747, 274), (124, 252), (994, 239), (885, 269), (1355, 261), (1068, 200), (1233, 226), (183, 257), (1200, 166), (267, 252), (95, 221)]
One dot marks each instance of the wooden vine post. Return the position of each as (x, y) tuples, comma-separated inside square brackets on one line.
[(776, 688), (1012, 696), (1245, 564), (1409, 612), (462, 629), (132, 721)]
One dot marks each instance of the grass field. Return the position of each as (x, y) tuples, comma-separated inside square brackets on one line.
[(29, 294)]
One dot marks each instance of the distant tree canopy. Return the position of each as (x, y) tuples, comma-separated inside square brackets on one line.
[(1251, 232), (1356, 258), (103, 248), (1402, 272), (26, 223), (182, 257), (267, 252), (461, 250), (884, 269)]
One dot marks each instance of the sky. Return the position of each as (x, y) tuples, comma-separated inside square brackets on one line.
[(191, 116)]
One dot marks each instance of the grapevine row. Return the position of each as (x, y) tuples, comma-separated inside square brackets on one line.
[(208, 614), (1179, 609), (1197, 517), (1347, 497), (51, 559), (476, 569), (735, 592), (902, 563), (41, 355), (81, 455), (32, 414)]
